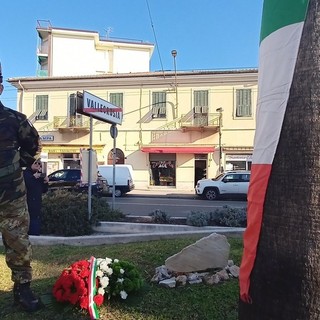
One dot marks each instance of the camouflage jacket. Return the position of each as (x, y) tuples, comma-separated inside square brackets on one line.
[(19, 144)]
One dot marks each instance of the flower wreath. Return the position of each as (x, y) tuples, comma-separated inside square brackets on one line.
[(86, 283)]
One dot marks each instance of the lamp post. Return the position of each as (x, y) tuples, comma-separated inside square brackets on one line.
[(174, 54), (220, 110)]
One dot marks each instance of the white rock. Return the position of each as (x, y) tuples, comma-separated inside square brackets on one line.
[(234, 270), (168, 283), (209, 252)]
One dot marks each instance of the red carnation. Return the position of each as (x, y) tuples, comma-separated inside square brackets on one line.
[(98, 299)]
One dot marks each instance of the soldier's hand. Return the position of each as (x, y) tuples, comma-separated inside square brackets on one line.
[(37, 175)]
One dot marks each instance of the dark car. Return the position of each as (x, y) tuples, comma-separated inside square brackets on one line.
[(70, 179)]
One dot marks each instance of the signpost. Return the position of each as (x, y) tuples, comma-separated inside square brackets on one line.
[(114, 134), (97, 108)]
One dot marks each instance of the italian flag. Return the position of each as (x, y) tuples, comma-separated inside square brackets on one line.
[(282, 25)]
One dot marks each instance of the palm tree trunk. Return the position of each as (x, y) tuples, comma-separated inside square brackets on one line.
[(285, 281)]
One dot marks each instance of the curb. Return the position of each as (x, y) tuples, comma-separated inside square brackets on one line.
[(162, 194), (125, 232)]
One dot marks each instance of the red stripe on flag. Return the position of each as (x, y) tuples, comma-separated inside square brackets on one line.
[(260, 174)]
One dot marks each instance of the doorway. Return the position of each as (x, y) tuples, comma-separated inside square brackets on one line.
[(200, 169), (119, 156)]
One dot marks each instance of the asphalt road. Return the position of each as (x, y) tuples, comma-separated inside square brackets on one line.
[(174, 206)]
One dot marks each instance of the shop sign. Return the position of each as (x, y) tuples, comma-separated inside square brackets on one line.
[(47, 138), (239, 157), (162, 164)]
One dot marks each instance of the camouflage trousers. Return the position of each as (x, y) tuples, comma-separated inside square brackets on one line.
[(14, 225)]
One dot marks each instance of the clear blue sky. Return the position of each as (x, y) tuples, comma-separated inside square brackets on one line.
[(207, 34)]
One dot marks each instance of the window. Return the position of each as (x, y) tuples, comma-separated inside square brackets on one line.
[(200, 101), (159, 104), (163, 173), (42, 107), (245, 178), (116, 99), (243, 103), (74, 119), (231, 178)]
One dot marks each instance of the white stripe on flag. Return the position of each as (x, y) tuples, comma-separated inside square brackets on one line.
[(278, 55)]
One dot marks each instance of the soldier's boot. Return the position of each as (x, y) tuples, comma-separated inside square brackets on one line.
[(24, 297)]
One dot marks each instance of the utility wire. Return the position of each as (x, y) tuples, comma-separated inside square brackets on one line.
[(155, 37)]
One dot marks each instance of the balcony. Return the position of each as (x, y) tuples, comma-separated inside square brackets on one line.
[(171, 131), (199, 122), (72, 123)]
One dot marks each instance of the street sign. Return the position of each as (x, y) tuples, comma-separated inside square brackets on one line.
[(99, 109), (113, 131)]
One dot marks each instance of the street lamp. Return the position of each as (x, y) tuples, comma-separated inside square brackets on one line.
[(174, 54), (220, 110)]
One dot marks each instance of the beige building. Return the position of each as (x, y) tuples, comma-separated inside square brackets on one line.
[(177, 126)]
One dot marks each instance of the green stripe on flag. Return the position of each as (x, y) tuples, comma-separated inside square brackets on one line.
[(281, 13)]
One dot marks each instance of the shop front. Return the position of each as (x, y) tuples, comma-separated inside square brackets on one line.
[(238, 162), (177, 166), (162, 169), (63, 157)]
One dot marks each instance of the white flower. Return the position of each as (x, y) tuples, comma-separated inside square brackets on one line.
[(99, 261), (123, 294), (108, 260), (116, 260), (103, 265), (109, 271), (101, 291), (120, 280), (104, 281), (99, 273), (121, 271)]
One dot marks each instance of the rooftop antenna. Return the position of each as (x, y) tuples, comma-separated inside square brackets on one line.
[(108, 31)]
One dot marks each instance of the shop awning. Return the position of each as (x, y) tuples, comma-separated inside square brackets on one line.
[(191, 149)]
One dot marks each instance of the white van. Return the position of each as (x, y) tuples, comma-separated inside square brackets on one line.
[(123, 178)]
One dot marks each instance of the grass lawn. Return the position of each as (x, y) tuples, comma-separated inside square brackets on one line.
[(194, 302)]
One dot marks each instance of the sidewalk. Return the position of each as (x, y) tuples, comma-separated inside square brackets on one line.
[(163, 192)]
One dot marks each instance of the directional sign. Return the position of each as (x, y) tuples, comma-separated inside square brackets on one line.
[(99, 109)]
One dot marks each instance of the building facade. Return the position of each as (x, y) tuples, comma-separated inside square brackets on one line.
[(177, 127), (69, 52)]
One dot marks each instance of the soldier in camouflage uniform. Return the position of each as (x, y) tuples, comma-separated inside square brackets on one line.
[(19, 143)]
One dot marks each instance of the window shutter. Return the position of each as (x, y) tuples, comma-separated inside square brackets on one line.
[(243, 103), (42, 107), (159, 104), (117, 99), (200, 100)]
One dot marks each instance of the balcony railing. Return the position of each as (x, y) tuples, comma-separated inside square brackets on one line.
[(187, 122), (42, 73), (200, 120), (43, 49), (71, 122)]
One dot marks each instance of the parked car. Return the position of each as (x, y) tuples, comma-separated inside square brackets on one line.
[(227, 184), (70, 179), (123, 178)]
